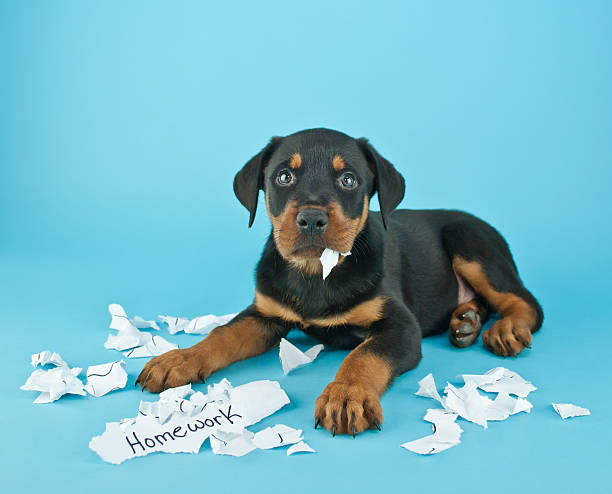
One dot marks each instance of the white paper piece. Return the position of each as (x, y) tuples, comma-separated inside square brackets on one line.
[(174, 400), (467, 402), (434, 415), (503, 380), (145, 434), (259, 399), (567, 410), (505, 405), (54, 383), (154, 347), (104, 378), (488, 377), (197, 325), (175, 324), (446, 434), (128, 335), (471, 405), (300, 447), (427, 388), (232, 443), (138, 343), (140, 323), (279, 435), (48, 357), (292, 357), (329, 259)]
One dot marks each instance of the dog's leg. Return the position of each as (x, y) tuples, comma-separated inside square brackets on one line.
[(247, 335), (481, 257), (351, 403)]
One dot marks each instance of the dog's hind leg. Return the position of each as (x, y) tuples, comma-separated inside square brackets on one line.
[(481, 258)]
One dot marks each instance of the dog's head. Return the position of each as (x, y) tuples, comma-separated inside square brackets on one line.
[(318, 184)]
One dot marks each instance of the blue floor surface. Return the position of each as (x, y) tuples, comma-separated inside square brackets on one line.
[(45, 447)]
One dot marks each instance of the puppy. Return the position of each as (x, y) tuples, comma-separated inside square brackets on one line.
[(411, 274)]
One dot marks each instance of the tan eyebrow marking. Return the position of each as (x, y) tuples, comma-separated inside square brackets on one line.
[(295, 161), (338, 163)]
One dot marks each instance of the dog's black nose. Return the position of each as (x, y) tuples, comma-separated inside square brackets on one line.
[(312, 221)]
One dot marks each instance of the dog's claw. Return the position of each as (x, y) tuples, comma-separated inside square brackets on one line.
[(144, 383), (333, 431), (354, 431), (203, 379), (377, 424), (317, 422)]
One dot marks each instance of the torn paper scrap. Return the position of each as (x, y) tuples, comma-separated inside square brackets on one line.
[(54, 383), (175, 324), (503, 380), (300, 447), (471, 405), (242, 442), (146, 435), (279, 435), (47, 357), (154, 347), (505, 405), (259, 398), (232, 443), (329, 259), (170, 401), (181, 432), (292, 357), (434, 415), (488, 377), (567, 410), (467, 402), (128, 337), (427, 388), (446, 434), (104, 378), (140, 323), (197, 325)]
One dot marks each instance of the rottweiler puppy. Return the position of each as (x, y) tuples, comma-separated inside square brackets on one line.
[(410, 274)]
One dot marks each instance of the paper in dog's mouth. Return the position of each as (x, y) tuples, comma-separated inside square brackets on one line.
[(329, 259)]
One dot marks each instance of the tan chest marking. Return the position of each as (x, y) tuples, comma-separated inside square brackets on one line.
[(363, 314)]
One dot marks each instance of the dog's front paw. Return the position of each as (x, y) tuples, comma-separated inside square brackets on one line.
[(345, 408), (172, 369)]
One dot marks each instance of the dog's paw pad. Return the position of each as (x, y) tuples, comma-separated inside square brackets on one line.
[(465, 326)]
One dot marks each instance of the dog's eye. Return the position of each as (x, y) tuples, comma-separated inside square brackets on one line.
[(348, 181), (285, 177)]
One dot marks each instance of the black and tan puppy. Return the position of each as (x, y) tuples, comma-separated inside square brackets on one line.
[(411, 274)]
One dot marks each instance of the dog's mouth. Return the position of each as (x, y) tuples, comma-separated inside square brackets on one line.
[(307, 252), (312, 248)]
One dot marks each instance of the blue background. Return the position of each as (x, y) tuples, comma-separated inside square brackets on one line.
[(122, 126)]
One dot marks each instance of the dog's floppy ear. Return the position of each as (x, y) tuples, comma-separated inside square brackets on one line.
[(387, 182), (249, 180)]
